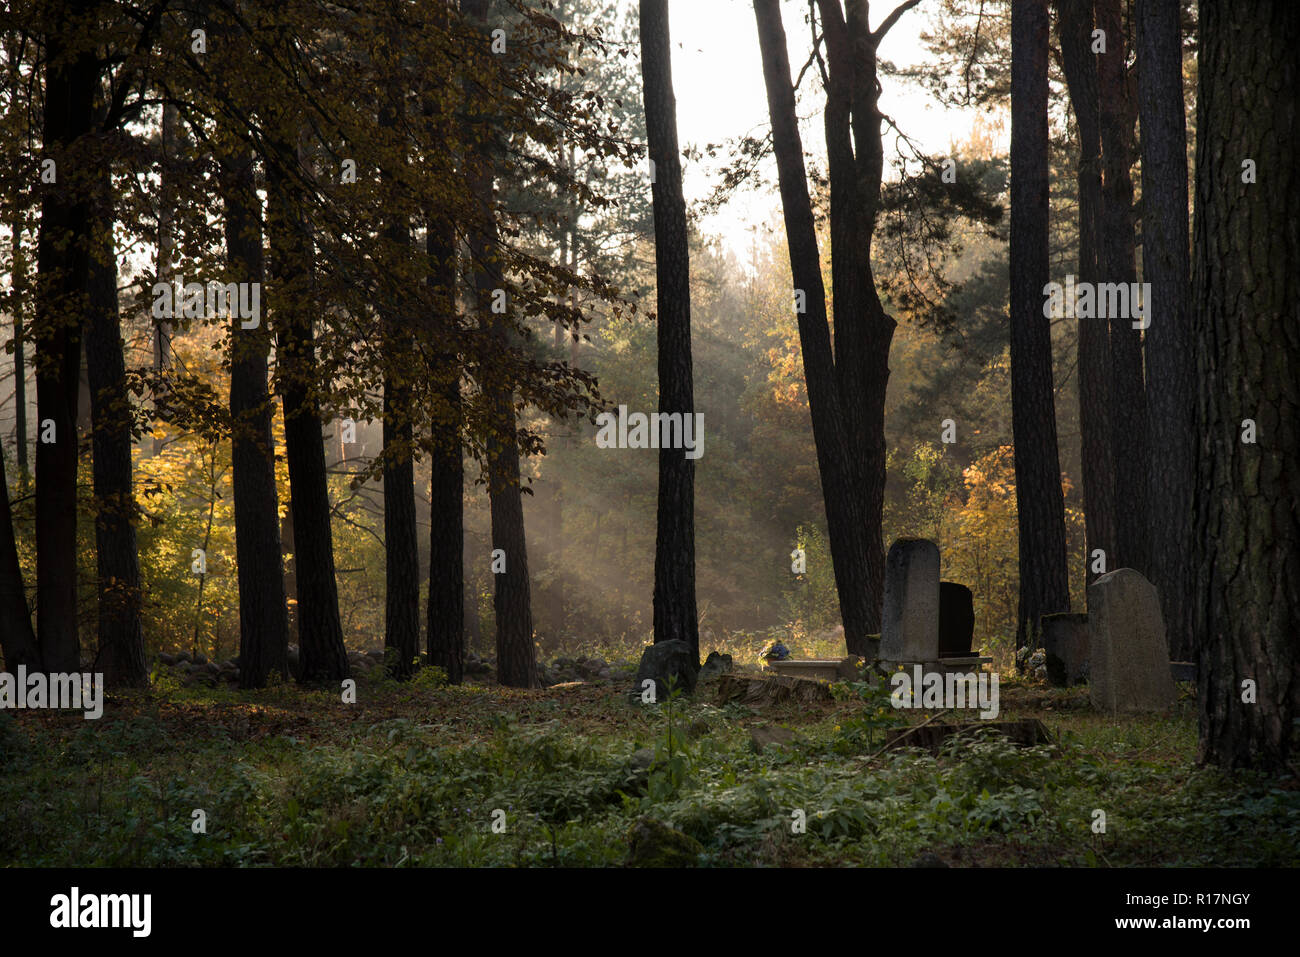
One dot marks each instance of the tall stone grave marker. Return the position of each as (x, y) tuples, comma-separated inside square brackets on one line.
[(909, 627), (1129, 667)]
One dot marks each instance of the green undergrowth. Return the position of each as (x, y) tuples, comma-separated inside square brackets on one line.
[(418, 774)]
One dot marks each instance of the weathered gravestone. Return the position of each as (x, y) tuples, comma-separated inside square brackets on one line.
[(909, 627), (1065, 639), (667, 662), (1129, 666), (956, 620)]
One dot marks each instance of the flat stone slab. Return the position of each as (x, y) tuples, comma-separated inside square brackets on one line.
[(762, 690), (821, 669), (941, 665), (1129, 666)]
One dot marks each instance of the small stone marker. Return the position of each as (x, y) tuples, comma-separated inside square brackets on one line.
[(956, 620), (668, 659), (1129, 667), (1065, 639), (909, 629)]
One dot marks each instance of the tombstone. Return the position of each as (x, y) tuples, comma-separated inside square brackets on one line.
[(909, 629), (1129, 667), (956, 620), (1065, 639)]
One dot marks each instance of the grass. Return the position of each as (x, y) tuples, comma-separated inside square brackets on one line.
[(412, 774)]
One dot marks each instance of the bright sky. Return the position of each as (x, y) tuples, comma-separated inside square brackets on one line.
[(718, 80)]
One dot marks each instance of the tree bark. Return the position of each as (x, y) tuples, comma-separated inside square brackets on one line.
[(121, 631), (511, 599), (263, 612), (1170, 355), (401, 542), (1244, 311), (163, 329), (71, 80), (17, 640), (320, 634), (1040, 503), (1075, 26), (1128, 393), (840, 474), (675, 614), (19, 263)]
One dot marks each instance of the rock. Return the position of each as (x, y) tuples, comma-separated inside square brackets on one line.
[(227, 666), (956, 620), (909, 626), (667, 660), (1065, 643), (213, 668), (182, 657), (642, 758), (375, 655), (1129, 653), (715, 665), (763, 736), (929, 859), (166, 658), (655, 844), (200, 659)]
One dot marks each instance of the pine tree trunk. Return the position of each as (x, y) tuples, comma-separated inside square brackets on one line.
[(1128, 393), (1245, 313), (1040, 503), (840, 476), (320, 634), (445, 628), (17, 640), (1080, 67), (401, 542), (1170, 355), (263, 611), (675, 614), (121, 632), (19, 263), (511, 600), (71, 79), (163, 330)]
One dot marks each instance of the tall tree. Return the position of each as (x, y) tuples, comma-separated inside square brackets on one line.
[(675, 615), (837, 465), (320, 633), (1075, 25), (263, 612), (401, 543), (1128, 394), (511, 598), (72, 73), (1170, 356), (121, 631), (1040, 503), (1245, 314)]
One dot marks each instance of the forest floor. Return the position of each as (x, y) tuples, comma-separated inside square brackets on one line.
[(418, 774)]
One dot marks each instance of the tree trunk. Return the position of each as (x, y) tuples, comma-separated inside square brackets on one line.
[(121, 632), (401, 542), (1247, 325), (17, 640), (263, 612), (1080, 68), (163, 329), (19, 263), (1170, 356), (675, 614), (1128, 394), (71, 79), (445, 629), (511, 600), (1044, 587), (320, 634), (840, 475)]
